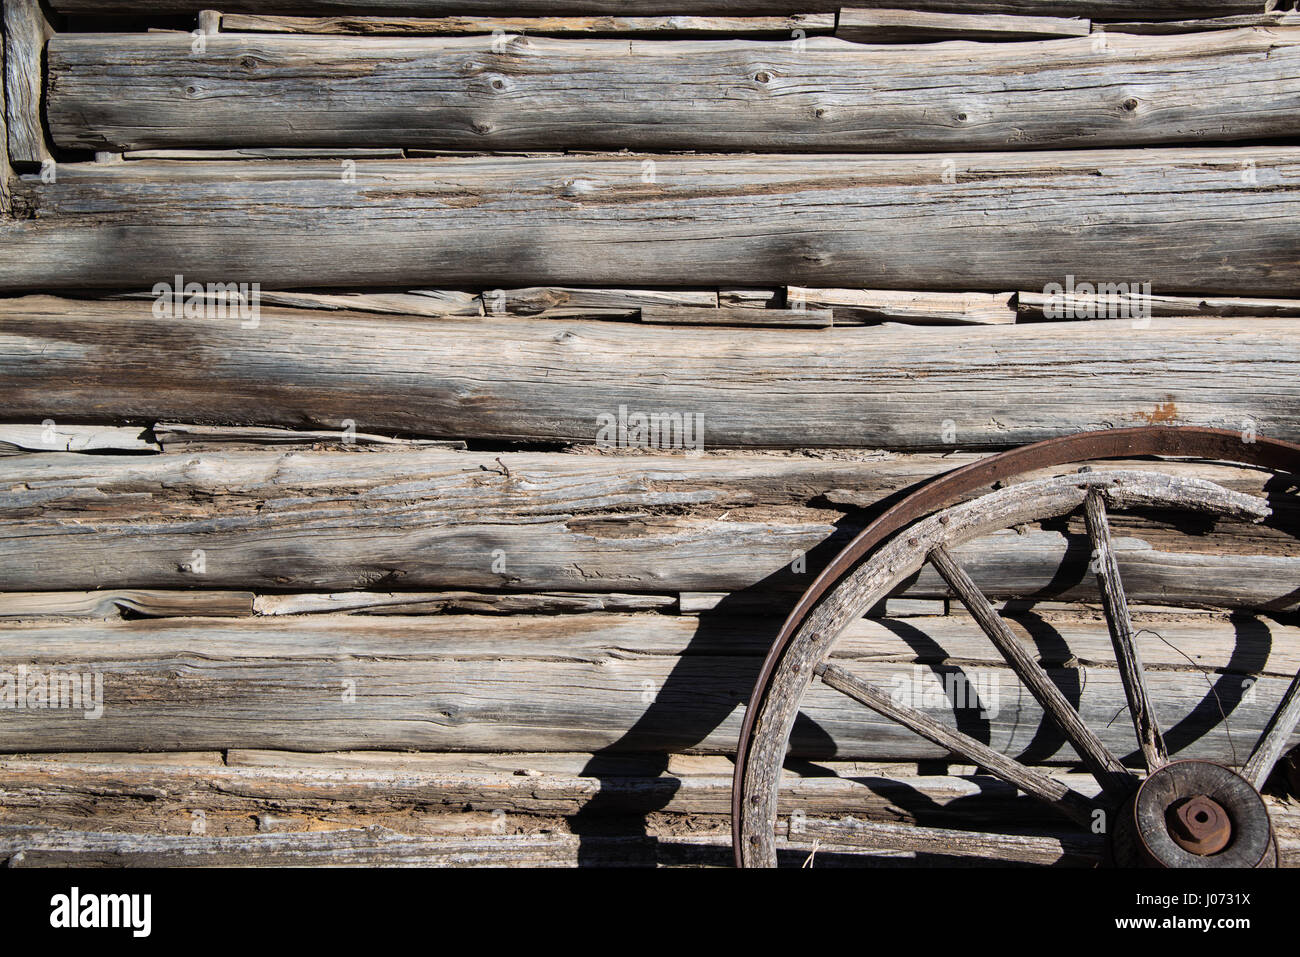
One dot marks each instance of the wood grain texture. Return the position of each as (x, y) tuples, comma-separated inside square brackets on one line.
[(672, 26), (919, 308), (6, 169), (892, 26), (1010, 221), (26, 31), (1102, 9), (568, 683), (499, 379), (143, 91)]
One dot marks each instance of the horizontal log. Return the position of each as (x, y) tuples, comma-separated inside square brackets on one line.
[(442, 684), (495, 379), (1010, 221), (132, 792), (1101, 9), (435, 519), (532, 26), (142, 91), (921, 308), (1240, 646), (892, 26), (484, 794), (351, 847)]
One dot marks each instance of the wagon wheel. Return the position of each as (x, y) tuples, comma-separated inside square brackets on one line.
[(1170, 814)]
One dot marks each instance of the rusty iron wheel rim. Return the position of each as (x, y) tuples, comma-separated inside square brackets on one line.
[(952, 488)]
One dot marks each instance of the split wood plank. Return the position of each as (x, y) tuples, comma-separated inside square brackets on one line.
[(727, 316), (920, 308), (557, 302), (26, 32), (63, 437), (893, 26), (1010, 221), (138, 91), (429, 302), (872, 386), (1132, 306), (111, 604), (531, 26)]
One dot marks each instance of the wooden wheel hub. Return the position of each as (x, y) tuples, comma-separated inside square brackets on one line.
[(1195, 814)]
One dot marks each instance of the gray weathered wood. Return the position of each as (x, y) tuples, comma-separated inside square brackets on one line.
[(531, 26), (1101, 9), (496, 379), (556, 302), (1030, 780), (26, 31), (1010, 221), (6, 169), (414, 518), (532, 683), (1275, 738), (921, 308), (139, 91), (1130, 306), (379, 787), (727, 316), (1110, 773), (1142, 712), (1075, 849), (437, 603), (891, 26), (895, 561), (1276, 18), (111, 604)]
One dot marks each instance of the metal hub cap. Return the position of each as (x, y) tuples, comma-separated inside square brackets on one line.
[(1195, 814)]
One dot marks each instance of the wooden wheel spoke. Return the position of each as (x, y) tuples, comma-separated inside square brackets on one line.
[(1115, 603), (1068, 801), (1273, 740), (1115, 779)]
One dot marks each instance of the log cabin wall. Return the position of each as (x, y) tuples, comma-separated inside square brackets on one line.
[(374, 561)]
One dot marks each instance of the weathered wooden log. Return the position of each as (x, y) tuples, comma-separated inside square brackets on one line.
[(676, 26), (1009, 221), (141, 91), (6, 169), (892, 26), (1101, 9), (880, 387), (435, 519), (139, 792), (321, 684), (25, 31)]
